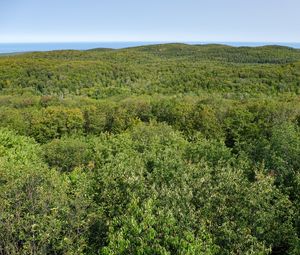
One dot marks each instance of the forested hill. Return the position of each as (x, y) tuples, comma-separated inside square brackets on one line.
[(164, 69), (157, 150)]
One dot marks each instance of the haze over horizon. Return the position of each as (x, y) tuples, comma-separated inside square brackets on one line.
[(149, 21)]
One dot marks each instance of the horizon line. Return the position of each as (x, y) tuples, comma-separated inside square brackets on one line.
[(148, 41)]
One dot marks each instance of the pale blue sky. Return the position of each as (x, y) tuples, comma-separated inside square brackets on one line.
[(149, 20)]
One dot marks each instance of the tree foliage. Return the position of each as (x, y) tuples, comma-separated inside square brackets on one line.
[(164, 149)]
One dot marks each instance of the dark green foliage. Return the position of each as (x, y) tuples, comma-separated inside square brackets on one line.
[(165, 149), (66, 154)]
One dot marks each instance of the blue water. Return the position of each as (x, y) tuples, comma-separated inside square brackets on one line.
[(25, 47)]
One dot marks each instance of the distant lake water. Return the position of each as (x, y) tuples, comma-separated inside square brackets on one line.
[(25, 47)]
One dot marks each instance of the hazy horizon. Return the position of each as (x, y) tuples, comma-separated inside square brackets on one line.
[(49, 46), (142, 41)]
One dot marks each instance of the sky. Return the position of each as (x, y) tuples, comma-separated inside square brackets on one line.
[(149, 20)]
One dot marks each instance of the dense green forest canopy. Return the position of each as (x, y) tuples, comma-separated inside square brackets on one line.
[(164, 69), (162, 149)]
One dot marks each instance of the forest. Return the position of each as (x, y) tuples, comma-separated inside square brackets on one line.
[(168, 149)]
